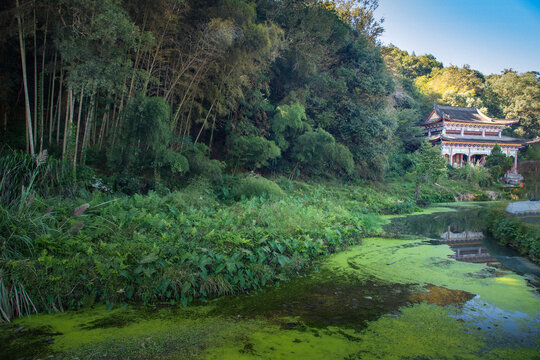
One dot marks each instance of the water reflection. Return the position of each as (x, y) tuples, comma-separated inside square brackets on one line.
[(468, 246), (463, 231)]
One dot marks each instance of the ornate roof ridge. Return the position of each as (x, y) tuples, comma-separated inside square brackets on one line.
[(445, 112)]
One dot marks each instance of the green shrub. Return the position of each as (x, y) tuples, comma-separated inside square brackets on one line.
[(498, 163), (318, 154), (253, 186), (473, 174), (287, 123), (201, 165), (252, 152), (43, 174)]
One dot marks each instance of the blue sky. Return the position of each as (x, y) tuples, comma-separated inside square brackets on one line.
[(489, 35)]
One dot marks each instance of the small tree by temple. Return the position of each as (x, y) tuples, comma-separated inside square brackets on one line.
[(498, 163), (429, 165)]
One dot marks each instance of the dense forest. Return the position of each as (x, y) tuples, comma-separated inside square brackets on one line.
[(203, 110), (153, 93)]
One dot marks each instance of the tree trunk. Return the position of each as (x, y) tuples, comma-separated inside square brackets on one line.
[(137, 59), (40, 107), (87, 126), (118, 121), (42, 86), (59, 106), (50, 104), (68, 120), (102, 129), (205, 120), (151, 67), (35, 79), (212, 134), (177, 114), (78, 127), (25, 82)]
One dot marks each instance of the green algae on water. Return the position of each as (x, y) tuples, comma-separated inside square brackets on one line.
[(409, 261), (369, 302), (422, 331)]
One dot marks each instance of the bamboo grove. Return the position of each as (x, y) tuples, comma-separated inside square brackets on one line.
[(106, 82)]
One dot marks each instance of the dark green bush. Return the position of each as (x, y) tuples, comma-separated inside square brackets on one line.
[(473, 174), (252, 152), (318, 154), (201, 165)]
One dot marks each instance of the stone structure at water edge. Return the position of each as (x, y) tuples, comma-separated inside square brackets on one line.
[(467, 135)]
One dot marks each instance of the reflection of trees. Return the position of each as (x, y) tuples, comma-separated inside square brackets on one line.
[(434, 225)]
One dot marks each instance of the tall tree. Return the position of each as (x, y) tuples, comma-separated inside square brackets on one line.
[(28, 113)]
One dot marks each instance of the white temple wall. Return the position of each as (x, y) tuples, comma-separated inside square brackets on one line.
[(453, 150)]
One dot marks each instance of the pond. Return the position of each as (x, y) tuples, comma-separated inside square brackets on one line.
[(435, 287)]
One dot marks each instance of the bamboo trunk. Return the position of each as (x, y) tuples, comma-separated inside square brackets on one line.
[(59, 106), (78, 127), (87, 126), (51, 100), (42, 86), (35, 79), (30, 139), (68, 120), (102, 129)]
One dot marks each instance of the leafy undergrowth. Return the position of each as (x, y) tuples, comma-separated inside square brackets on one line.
[(180, 246), (59, 254)]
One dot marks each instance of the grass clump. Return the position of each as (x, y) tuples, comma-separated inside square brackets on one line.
[(254, 186)]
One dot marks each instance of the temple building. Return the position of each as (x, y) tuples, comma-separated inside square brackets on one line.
[(467, 135)]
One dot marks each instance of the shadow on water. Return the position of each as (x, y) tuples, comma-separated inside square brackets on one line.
[(320, 300)]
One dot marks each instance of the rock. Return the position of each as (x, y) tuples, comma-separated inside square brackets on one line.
[(81, 209), (523, 208), (78, 226)]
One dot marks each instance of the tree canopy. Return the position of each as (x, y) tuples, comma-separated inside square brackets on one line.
[(157, 89)]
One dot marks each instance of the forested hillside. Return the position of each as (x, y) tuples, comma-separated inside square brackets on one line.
[(156, 92), (159, 88)]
